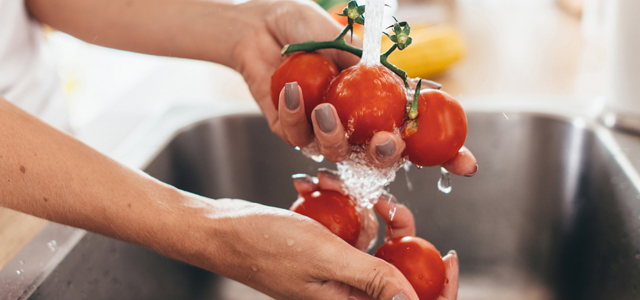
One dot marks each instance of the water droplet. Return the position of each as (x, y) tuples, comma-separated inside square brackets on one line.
[(444, 183), (266, 236), (421, 277), (290, 242), (317, 158), (52, 245), (297, 148), (254, 268), (21, 262), (19, 271), (299, 249), (392, 213)]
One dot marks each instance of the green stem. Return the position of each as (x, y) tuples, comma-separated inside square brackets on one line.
[(313, 45), (340, 44)]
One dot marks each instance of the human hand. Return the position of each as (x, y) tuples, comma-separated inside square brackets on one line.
[(286, 255), (278, 23), (287, 22)]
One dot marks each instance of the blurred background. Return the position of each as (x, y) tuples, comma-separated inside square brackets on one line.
[(547, 50)]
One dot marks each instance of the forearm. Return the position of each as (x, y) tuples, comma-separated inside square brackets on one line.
[(189, 29), (45, 173)]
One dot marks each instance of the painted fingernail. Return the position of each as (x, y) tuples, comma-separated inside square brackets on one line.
[(326, 120), (474, 172), (400, 296), (329, 173), (291, 95), (386, 149)]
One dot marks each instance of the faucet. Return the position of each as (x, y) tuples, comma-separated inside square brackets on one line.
[(622, 108)]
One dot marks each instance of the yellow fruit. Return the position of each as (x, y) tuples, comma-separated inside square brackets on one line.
[(433, 50)]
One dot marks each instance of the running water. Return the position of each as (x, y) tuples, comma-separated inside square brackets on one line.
[(373, 28)]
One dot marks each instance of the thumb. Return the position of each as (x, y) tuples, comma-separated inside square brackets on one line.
[(374, 276)]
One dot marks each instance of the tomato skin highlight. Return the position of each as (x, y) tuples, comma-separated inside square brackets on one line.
[(441, 132), (419, 261), (312, 71), (334, 210), (368, 99)]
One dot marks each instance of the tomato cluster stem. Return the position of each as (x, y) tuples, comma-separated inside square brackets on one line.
[(354, 14)]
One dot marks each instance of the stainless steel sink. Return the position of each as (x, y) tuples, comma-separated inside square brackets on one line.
[(553, 213)]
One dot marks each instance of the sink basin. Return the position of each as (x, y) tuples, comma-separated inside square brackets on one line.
[(553, 212)]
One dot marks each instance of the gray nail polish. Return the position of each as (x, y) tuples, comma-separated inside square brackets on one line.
[(400, 296), (326, 120), (386, 149), (474, 172), (291, 95)]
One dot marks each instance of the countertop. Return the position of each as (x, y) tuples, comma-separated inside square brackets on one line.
[(516, 50)]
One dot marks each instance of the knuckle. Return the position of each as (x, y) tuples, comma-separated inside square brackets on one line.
[(377, 284)]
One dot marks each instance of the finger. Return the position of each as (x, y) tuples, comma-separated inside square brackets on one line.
[(451, 266), (330, 133), (374, 276), (399, 219), (368, 230), (329, 180), (463, 164), (304, 183), (292, 116), (385, 148)]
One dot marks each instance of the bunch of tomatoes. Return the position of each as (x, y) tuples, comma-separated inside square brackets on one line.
[(370, 99)]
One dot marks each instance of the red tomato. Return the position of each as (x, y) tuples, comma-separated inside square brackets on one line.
[(334, 210), (419, 261), (368, 99), (312, 71), (441, 129)]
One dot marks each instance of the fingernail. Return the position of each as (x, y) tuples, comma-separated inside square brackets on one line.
[(329, 173), (386, 149), (326, 121), (474, 172), (431, 84), (304, 178), (291, 95), (400, 296), (453, 253)]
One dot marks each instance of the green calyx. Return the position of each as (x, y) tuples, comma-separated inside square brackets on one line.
[(354, 14), (401, 36)]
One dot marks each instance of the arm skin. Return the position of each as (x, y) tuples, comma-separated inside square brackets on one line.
[(48, 174), (188, 29)]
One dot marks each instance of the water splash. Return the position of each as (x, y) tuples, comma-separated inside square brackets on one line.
[(444, 183), (363, 181)]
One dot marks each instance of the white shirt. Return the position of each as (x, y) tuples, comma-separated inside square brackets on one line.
[(28, 77)]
